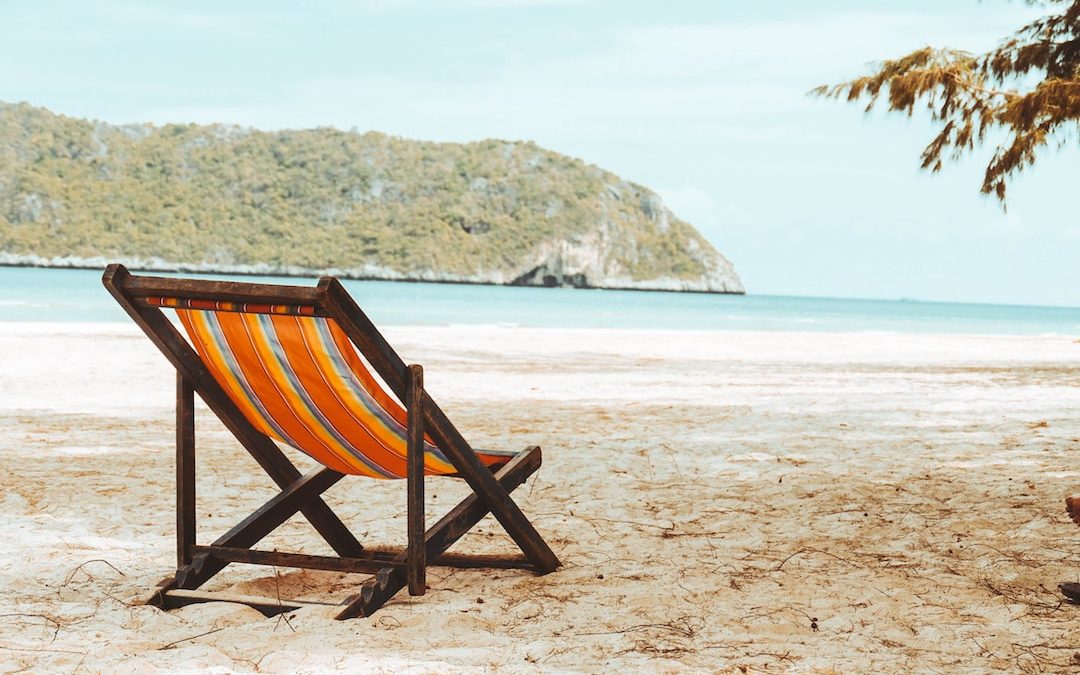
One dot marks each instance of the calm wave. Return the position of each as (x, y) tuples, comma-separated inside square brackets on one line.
[(32, 294)]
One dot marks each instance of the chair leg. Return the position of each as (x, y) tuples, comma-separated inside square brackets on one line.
[(480, 479), (416, 554), (442, 535), (185, 471)]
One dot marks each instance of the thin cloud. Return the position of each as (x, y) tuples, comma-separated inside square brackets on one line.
[(384, 5)]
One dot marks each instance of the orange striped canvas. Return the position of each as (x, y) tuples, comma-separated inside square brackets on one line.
[(299, 380)]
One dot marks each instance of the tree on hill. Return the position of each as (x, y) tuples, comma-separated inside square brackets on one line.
[(1028, 87)]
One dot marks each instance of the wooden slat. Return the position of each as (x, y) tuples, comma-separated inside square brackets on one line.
[(370, 560), (185, 471), (232, 291), (229, 554), (389, 580), (415, 478)]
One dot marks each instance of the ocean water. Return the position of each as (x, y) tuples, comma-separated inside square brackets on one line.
[(65, 295)]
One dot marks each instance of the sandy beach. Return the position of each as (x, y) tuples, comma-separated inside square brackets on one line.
[(722, 501)]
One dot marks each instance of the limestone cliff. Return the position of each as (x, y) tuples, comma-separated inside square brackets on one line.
[(75, 192)]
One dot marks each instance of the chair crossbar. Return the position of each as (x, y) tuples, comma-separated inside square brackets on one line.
[(371, 562)]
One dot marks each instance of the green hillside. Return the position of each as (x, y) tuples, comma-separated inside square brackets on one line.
[(361, 205)]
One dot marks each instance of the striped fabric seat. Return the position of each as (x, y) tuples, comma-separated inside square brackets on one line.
[(299, 380)]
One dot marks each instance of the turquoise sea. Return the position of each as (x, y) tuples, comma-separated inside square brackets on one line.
[(65, 295)]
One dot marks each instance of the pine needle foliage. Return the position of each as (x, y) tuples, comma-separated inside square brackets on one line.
[(1028, 87)]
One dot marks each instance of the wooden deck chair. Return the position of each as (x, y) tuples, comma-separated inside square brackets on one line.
[(280, 364)]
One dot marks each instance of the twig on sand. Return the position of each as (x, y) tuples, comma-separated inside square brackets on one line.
[(1011, 596), (786, 656), (808, 549), (532, 486), (687, 626), (277, 592), (1017, 558), (983, 649), (630, 522), (48, 619), (674, 461), (71, 576), (193, 637), (42, 650), (760, 615), (1041, 661)]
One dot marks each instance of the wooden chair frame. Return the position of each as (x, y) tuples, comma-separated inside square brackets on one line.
[(392, 569)]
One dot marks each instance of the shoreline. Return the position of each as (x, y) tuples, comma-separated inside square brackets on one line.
[(289, 271), (122, 324)]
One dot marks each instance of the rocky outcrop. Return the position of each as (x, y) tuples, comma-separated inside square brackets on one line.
[(606, 256)]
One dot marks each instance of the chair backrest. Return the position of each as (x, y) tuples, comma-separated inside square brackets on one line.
[(284, 359)]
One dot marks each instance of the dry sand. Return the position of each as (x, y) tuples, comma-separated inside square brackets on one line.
[(721, 501)]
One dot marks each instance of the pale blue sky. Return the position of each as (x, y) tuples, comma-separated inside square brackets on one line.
[(703, 101)]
